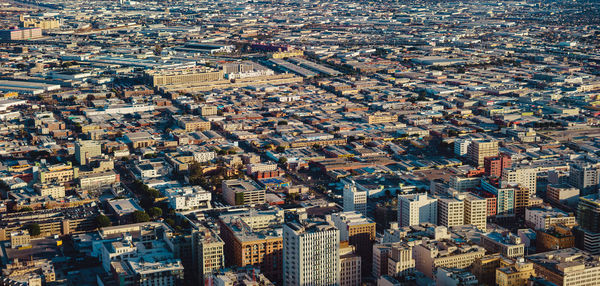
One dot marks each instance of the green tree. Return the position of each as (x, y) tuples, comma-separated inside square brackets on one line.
[(34, 229), (282, 161), (140, 216), (280, 149), (103, 221), (155, 212)]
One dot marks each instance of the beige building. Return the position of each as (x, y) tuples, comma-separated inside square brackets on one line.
[(54, 191), (19, 238), (58, 174), (209, 248), (451, 212), (479, 150), (445, 253), (85, 149), (242, 192), (350, 265), (177, 77), (515, 275), (524, 177), (400, 260), (191, 124), (476, 211), (378, 118), (567, 267)]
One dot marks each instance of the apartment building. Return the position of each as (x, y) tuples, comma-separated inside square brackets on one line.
[(242, 192), (311, 254)]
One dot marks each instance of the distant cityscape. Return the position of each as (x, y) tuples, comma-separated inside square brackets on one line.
[(299, 143)]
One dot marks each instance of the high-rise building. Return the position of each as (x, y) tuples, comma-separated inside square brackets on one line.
[(479, 150), (355, 200), (451, 211), (208, 247), (524, 177), (311, 254), (588, 218), (416, 209), (400, 260), (461, 146), (493, 166), (85, 149), (585, 177), (476, 211), (254, 238), (350, 265), (359, 231)]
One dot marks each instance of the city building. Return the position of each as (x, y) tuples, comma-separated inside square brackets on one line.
[(432, 255), (350, 265), (417, 209), (451, 211), (86, 149), (509, 245), (546, 217), (475, 211), (563, 194), (479, 150), (585, 177), (588, 219), (355, 200), (242, 192), (567, 267), (254, 238), (311, 254), (515, 274), (359, 231)]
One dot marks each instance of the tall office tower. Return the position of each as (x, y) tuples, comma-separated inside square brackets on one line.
[(416, 209), (85, 149), (355, 200), (359, 231), (493, 166), (208, 247), (311, 254), (587, 235), (350, 265), (476, 211), (479, 150), (525, 177), (451, 211), (522, 196), (585, 177)]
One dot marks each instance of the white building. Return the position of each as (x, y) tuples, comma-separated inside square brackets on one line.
[(461, 146), (416, 209), (311, 254), (188, 198), (476, 211), (355, 200), (525, 177)]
